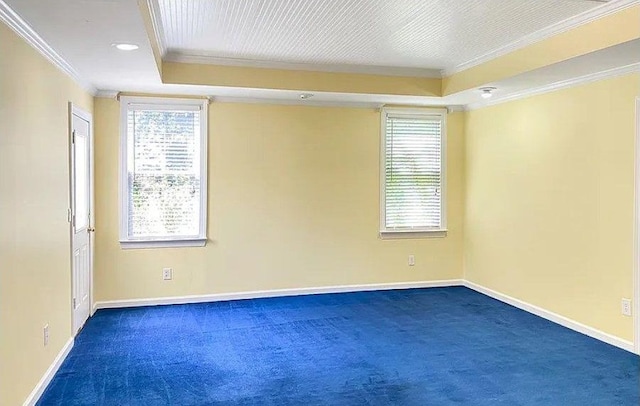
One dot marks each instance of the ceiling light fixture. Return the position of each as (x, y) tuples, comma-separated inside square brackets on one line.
[(123, 46), (305, 96), (487, 92)]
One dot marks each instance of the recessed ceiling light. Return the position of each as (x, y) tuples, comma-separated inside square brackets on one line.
[(305, 96), (487, 92), (123, 46)]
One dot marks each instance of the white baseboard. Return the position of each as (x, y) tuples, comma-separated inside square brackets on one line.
[(554, 317), (220, 297), (538, 311), (48, 375)]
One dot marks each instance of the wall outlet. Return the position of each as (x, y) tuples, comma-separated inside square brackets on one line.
[(167, 274), (412, 260), (45, 334), (626, 307)]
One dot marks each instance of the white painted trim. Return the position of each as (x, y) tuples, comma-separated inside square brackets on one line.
[(407, 234), (107, 94), (564, 84), (551, 316), (636, 236), (222, 297), (455, 108), (133, 244), (180, 57), (297, 102), (75, 110), (35, 394), (112, 94), (24, 30), (387, 233), (83, 114), (156, 22), (173, 104), (611, 7)]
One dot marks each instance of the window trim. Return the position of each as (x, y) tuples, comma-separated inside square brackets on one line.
[(163, 242), (390, 233)]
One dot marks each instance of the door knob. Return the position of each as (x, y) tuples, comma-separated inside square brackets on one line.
[(91, 230)]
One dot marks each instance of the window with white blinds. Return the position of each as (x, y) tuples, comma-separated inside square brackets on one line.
[(412, 178), (163, 179)]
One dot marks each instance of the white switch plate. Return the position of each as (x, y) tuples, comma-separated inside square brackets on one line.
[(45, 332), (167, 274), (412, 260), (626, 307)]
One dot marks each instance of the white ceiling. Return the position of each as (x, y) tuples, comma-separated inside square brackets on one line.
[(621, 59), (394, 33), (427, 34), (82, 32)]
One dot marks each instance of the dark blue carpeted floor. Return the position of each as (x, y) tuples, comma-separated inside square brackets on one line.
[(440, 346)]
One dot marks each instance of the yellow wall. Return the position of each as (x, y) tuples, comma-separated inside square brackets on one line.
[(596, 35), (35, 275), (549, 201), (298, 80), (294, 202), (543, 188)]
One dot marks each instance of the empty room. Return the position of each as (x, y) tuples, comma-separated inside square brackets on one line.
[(320, 202)]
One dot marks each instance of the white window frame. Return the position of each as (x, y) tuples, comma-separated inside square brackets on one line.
[(177, 104), (391, 233)]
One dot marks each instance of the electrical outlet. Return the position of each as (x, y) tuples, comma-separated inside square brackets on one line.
[(167, 274), (412, 260), (626, 307), (45, 333)]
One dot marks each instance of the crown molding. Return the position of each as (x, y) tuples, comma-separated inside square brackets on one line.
[(180, 57), (455, 108), (106, 94), (603, 10), (24, 30), (156, 21), (297, 102), (324, 103), (563, 84)]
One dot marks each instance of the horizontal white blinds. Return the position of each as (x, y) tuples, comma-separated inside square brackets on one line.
[(163, 167), (413, 172)]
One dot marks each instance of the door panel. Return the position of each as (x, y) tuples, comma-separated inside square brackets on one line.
[(81, 180), (81, 220)]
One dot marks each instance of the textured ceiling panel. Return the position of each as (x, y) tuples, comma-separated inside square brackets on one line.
[(435, 34)]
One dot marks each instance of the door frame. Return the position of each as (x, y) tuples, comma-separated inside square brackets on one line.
[(636, 236), (85, 115)]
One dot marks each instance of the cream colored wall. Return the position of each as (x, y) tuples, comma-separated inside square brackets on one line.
[(298, 80), (293, 203), (35, 276), (604, 32), (549, 206)]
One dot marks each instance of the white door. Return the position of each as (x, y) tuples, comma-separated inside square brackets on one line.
[(636, 265), (81, 190)]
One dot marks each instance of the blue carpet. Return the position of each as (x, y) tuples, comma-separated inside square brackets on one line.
[(444, 346)]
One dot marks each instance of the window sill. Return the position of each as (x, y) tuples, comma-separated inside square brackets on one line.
[(406, 234), (142, 244)]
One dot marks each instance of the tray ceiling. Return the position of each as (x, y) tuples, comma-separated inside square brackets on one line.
[(428, 34)]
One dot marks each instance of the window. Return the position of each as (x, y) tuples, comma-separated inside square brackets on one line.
[(412, 173), (163, 179)]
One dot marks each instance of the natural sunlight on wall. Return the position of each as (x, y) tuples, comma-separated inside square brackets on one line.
[(35, 270), (549, 201), (293, 203)]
